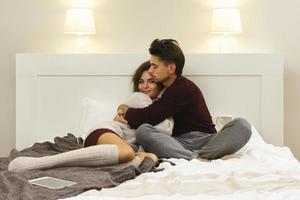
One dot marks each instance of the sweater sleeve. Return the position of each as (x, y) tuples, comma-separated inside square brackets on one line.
[(173, 100)]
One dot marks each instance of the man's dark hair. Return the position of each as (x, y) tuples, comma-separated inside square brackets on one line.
[(138, 74), (168, 51)]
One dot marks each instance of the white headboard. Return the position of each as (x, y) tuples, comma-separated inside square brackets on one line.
[(50, 87)]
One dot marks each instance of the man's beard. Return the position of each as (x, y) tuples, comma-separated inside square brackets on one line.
[(163, 80)]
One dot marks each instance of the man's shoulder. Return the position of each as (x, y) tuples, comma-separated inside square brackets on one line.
[(185, 83), (182, 87)]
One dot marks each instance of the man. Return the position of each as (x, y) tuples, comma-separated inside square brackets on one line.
[(194, 134)]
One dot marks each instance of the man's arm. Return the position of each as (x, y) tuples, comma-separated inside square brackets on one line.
[(171, 102), (153, 114)]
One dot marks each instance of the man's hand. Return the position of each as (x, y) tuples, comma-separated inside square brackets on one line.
[(120, 117), (122, 109)]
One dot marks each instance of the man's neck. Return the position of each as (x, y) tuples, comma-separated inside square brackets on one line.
[(167, 83)]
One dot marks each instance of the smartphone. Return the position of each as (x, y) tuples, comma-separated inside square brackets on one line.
[(51, 182)]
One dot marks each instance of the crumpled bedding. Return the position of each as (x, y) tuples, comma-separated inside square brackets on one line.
[(15, 185), (263, 172)]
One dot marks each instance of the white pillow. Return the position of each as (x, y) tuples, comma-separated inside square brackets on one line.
[(255, 139), (94, 112), (100, 114), (221, 120)]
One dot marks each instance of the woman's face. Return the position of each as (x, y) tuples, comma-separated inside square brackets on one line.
[(148, 86)]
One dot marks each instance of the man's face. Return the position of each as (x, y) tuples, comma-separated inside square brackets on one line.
[(159, 70)]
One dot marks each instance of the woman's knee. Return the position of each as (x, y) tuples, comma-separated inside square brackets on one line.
[(126, 154)]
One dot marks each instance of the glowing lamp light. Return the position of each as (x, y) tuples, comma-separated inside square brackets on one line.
[(226, 21), (79, 21)]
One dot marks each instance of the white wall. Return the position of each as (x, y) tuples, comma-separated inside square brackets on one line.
[(130, 25)]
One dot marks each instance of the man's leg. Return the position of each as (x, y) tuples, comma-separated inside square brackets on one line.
[(233, 136), (164, 146)]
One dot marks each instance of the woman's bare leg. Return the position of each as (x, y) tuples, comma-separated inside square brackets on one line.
[(114, 151), (126, 153)]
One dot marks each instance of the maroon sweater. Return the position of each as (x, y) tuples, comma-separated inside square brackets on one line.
[(184, 101)]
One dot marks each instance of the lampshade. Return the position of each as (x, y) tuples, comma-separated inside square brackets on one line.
[(226, 21), (79, 21)]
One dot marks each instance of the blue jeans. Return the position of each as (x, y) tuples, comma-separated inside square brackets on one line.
[(233, 136)]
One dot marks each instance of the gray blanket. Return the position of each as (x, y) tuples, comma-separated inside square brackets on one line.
[(15, 186)]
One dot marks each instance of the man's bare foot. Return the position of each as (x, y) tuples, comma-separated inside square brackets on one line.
[(231, 156), (227, 157), (203, 160), (142, 156)]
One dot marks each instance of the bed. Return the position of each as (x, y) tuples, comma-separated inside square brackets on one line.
[(59, 93)]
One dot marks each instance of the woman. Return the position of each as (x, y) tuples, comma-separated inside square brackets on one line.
[(143, 83), (103, 146)]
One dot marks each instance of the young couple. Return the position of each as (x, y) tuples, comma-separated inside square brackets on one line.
[(194, 134), (174, 96)]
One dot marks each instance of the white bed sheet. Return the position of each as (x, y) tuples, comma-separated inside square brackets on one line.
[(263, 172)]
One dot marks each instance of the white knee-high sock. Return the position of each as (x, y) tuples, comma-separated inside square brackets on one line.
[(98, 155)]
